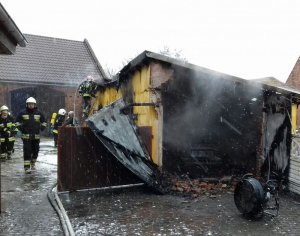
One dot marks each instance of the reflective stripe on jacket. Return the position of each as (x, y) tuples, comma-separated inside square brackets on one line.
[(7, 126), (31, 122)]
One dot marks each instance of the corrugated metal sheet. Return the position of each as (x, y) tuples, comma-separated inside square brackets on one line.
[(294, 175), (116, 132)]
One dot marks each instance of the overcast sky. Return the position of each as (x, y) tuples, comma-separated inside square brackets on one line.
[(245, 38)]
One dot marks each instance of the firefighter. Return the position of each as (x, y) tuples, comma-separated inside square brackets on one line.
[(59, 120), (87, 89), (71, 120), (52, 121), (30, 122), (7, 133)]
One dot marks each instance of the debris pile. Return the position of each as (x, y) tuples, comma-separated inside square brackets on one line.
[(183, 185)]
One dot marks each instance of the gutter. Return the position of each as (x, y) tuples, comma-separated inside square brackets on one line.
[(12, 29)]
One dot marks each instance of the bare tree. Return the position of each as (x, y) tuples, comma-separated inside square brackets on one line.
[(177, 54), (110, 72), (166, 51)]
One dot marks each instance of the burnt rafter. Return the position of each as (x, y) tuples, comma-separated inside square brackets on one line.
[(126, 109)]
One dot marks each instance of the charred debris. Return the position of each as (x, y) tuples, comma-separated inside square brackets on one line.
[(205, 126)]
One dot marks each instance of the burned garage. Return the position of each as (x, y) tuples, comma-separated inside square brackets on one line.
[(211, 124), (193, 121)]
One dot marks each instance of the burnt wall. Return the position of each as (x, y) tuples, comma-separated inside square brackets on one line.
[(212, 125), (277, 135)]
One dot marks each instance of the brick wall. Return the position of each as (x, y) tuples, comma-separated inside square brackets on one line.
[(70, 95), (294, 77), (294, 80), (72, 101)]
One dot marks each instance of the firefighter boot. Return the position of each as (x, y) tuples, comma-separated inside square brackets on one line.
[(32, 163), (84, 113), (9, 155), (27, 167), (3, 156)]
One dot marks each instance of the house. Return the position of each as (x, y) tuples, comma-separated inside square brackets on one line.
[(10, 35), (49, 69), (294, 173), (294, 80), (202, 122)]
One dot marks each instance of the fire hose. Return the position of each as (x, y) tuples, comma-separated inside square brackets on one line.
[(58, 207)]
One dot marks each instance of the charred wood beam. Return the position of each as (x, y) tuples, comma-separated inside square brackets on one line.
[(126, 109), (223, 120)]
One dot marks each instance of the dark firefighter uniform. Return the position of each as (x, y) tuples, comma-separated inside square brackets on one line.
[(7, 136), (87, 90), (30, 122)]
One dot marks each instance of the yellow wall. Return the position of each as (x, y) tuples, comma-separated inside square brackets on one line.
[(106, 97), (146, 115)]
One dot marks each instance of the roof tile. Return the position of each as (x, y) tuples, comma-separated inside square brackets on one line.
[(50, 61)]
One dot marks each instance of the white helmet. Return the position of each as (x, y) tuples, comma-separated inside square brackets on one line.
[(4, 108), (62, 112), (89, 78), (70, 113), (31, 100)]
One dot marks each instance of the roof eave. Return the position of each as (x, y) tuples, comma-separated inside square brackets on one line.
[(11, 30), (147, 54)]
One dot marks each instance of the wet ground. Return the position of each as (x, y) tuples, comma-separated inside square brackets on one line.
[(135, 211), (24, 203), (139, 212)]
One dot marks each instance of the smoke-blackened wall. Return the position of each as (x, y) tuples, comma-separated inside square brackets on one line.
[(212, 125), (277, 135)]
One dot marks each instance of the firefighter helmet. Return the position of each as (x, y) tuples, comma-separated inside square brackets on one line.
[(31, 100), (4, 108), (62, 112), (89, 78), (70, 113)]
